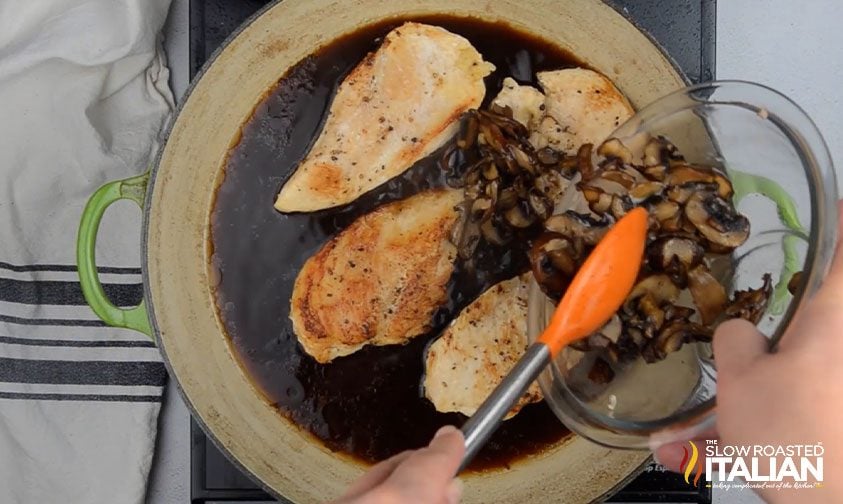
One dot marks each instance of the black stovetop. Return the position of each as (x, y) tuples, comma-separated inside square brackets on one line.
[(685, 28)]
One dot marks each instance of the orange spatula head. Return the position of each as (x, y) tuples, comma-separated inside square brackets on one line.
[(602, 283)]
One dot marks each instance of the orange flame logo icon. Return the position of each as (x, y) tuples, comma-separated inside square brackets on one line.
[(690, 463)]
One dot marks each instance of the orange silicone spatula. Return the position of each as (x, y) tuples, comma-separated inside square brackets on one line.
[(597, 291)]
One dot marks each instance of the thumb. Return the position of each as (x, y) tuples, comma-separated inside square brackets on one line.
[(426, 475), (737, 343), (672, 455)]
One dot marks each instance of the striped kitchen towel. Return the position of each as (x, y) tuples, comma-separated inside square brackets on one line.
[(83, 97)]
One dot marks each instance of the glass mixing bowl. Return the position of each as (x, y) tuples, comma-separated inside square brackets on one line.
[(785, 184)]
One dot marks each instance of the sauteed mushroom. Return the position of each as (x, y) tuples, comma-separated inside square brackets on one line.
[(607, 184), (469, 129), (674, 255), (660, 152), (661, 209), (494, 233), (613, 148), (672, 337), (599, 201), (724, 185), (584, 160), (490, 171), (717, 220), (601, 372), (683, 192), (513, 191), (607, 194), (494, 161), (539, 204), (620, 206), (684, 174), (520, 216), (643, 312), (507, 198), (665, 251), (653, 153), (657, 172), (750, 304), (584, 226), (653, 315), (634, 339), (644, 190), (793, 283), (551, 184), (658, 286), (548, 156), (623, 176), (709, 294), (554, 259), (676, 312)]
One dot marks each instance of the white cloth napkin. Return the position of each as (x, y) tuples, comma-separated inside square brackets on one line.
[(83, 97)]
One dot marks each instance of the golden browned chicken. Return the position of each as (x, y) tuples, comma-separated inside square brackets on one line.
[(578, 106), (380, 280), (397, 106), (478, 349)]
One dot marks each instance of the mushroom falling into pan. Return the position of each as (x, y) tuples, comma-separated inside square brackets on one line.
[(562, 204)]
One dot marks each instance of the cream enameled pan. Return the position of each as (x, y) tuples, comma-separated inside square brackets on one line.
[(177, 197)]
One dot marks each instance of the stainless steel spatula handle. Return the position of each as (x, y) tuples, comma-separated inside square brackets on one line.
[(489, 415)]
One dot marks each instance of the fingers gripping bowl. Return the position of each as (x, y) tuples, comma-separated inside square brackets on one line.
[(181, 278)]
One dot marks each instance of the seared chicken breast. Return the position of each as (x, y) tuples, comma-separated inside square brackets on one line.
[(478, 349), (380, 280), (578, 106), (399, 105)]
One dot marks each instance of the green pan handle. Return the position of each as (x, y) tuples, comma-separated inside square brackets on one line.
[(133, 318)]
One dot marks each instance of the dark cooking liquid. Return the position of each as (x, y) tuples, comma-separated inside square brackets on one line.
[(368, 404)]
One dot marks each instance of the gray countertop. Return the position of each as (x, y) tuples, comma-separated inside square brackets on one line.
[(795, 47)]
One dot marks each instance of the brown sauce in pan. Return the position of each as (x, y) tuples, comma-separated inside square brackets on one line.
[(369, 404)]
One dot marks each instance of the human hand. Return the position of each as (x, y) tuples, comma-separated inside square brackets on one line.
[(424, 476), (786, 397)]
